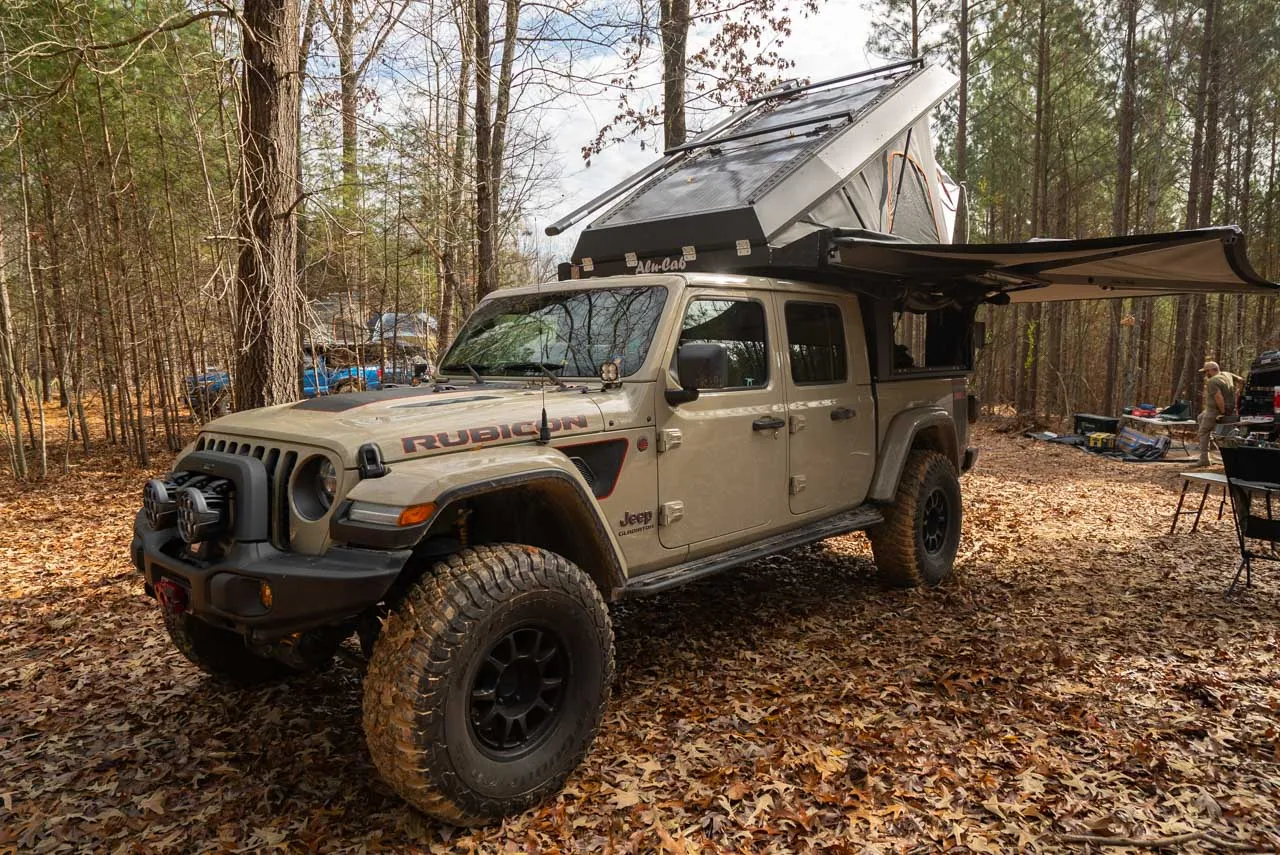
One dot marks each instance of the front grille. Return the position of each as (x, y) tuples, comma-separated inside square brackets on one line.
[(279, 463)]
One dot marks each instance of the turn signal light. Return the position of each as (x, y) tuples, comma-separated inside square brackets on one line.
[(264, 595), (415, 514)]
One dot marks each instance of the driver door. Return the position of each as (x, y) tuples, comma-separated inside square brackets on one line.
[(722, 463)]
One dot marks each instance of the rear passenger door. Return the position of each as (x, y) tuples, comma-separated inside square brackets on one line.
[(830, 411)]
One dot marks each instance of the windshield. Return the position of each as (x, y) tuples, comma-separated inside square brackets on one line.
[(571, 333)]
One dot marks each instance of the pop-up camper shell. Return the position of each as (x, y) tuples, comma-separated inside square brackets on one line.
[(836, 181)]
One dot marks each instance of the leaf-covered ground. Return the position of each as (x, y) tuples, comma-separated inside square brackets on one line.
[(1081, 675)]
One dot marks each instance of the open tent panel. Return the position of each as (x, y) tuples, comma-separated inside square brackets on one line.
[(853, 152)]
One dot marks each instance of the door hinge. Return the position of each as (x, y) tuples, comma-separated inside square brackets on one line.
[(796, 424), (798, 483), (669, 438), (670, 512)]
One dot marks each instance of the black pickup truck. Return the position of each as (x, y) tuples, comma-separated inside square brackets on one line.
[(1260, 400)]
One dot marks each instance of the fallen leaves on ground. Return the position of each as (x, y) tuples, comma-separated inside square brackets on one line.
[(1082, 674)]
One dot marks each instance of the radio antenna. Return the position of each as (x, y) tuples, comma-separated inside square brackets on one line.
[(544, 429)]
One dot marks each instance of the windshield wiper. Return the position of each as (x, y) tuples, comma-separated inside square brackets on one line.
[(453, 367), (544, 367)]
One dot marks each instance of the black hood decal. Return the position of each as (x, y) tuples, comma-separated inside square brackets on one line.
[(350, 400)]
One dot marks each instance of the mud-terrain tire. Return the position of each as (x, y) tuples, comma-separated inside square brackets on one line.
[(917, 542), (488, 682), (222, 653)]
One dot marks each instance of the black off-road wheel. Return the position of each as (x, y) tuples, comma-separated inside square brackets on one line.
[(222, 653), (488, 682), (917, 542)]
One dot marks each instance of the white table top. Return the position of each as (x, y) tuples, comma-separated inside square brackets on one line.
[(1148, 420)]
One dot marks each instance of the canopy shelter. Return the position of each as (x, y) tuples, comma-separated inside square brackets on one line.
[(1208, 260)]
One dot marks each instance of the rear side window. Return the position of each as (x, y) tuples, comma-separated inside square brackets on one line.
[(815, 341), (739, 326)]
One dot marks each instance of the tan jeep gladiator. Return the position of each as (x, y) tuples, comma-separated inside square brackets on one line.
[(591, 440), (796, 370)]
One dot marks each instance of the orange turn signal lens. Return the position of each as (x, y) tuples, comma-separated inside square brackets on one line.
[(415, 514), (264, 595)]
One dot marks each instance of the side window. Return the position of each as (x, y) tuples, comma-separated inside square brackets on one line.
[(739, 326), (815, 341)]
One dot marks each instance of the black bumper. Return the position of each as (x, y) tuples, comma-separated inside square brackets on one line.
[(307, 591)]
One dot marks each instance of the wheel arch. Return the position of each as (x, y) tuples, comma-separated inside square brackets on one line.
[(930, 428), (515, 494), (547, 508)]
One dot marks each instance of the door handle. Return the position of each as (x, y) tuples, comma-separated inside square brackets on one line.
[(840, 414), (768, 423)]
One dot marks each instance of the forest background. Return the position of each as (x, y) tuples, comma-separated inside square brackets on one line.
[(186, 180)]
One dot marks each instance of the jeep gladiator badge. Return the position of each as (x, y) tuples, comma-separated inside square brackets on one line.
[(635, 522)]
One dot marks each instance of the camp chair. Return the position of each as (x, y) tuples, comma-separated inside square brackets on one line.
[(1253, 473)]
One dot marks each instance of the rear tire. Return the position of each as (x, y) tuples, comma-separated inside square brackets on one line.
[(221, 653), (488, 682), (917, 542)]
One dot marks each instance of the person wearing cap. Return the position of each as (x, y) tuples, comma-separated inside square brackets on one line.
[(1219, 403)]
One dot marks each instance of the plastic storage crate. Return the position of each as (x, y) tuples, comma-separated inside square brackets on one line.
[(1087, 423)]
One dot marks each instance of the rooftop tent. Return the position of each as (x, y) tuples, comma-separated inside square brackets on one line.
[(853, 152)]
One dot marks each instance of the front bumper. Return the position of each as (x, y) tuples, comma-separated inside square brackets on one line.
[(307, 591)]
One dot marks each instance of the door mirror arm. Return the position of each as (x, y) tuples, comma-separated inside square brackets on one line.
[(676, 397)]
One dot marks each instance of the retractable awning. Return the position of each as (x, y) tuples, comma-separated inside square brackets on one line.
[(1198, 261)]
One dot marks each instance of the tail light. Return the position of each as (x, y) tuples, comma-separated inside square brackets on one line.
[(379, 372), (1275, 399)]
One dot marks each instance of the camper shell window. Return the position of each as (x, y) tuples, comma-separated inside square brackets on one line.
[(937, 342)]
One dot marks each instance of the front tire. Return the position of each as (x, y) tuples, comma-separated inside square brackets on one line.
[(917, 542), (488, 682)]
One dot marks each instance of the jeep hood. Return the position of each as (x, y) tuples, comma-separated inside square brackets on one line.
[(418, 421)]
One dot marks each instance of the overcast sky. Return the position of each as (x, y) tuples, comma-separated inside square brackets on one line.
[(828, 44)]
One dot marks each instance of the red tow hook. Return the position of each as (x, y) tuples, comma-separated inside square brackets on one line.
[(172, 596)]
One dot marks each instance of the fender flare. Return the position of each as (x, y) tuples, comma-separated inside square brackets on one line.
[(900, 438), (449, 479)]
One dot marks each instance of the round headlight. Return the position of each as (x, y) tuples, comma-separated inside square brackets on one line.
[(326, 482)]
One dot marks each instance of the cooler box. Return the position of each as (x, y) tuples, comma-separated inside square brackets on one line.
[(1087, 423)]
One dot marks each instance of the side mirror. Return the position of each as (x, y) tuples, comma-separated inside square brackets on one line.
[(699, 367)]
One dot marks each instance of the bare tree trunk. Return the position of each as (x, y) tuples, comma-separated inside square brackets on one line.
[(673, 23), (450, 257), (1120, 206), (9, 371), (962, 122), (486, 278), (266, 295), (502, 108), (1189, 336), (304, 54), (39, 310)]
